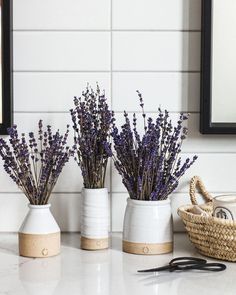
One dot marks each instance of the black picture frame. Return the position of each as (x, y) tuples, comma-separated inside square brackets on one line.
[(206, 126), (6, 53)]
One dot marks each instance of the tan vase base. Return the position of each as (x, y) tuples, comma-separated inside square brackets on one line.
[(147, 249), (39, 246), (94, 244)]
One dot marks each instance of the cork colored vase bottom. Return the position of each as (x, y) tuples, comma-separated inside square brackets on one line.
[(39, 245), (94, 244), (147, 228), (147, 249)]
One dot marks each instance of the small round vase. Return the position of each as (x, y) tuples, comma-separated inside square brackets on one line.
[(95, 219), (148, 227), (39, 234)]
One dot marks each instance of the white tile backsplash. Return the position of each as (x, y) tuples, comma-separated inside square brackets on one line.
[(183, 95), (156, 51), (46, 92), (61, 51), (13, 210), (125, 45), (156, 14), (66, 210), (61, 15), (118, 210)]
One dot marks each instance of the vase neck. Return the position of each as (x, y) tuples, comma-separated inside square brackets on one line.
[(39, 207)]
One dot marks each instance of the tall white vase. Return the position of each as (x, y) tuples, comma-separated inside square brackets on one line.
[(39, 234), (148, 227), (95, 219)]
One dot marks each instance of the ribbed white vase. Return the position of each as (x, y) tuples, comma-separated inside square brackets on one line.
[(39, 234), (148, 227), (95, 218)]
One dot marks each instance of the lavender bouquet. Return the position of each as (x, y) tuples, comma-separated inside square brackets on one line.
[(150, 165), (35, 165), (92, 120)]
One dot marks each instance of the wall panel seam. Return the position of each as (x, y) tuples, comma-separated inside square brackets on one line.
[(2, 193), (104, 71), (111, 100), (105, 30), (117, 112)]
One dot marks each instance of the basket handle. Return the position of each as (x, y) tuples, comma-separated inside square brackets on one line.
[(194, 183)]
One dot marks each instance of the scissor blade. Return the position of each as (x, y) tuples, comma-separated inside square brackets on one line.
[(166, 267)]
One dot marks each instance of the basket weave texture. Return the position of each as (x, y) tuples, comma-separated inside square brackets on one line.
[(213, 237)]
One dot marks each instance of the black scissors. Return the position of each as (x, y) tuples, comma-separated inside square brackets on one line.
[(188, 263)]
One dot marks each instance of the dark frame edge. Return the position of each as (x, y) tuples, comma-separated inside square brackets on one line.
[(7, 71), (205, 90), (206, 126)]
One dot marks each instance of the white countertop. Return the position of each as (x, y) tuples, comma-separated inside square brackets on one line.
[(106, 272)]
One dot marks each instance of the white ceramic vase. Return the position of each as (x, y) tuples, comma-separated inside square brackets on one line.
[(95, 218), (148, 227), (39, 234)]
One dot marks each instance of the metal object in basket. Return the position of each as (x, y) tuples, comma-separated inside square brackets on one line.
[(213, 237)]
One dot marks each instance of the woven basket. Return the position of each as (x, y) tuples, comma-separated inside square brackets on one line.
[(213, 237)]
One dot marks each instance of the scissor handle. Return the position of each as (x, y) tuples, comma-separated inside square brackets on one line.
[(209, 266), (187, 261)]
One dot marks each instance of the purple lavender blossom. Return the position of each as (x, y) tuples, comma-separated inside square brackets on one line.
[(35, 166), (150, 165), (92, 120)]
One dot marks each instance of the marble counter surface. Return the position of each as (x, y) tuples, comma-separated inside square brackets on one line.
[(108, 272)]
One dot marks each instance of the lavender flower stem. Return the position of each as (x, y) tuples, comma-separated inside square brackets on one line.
[(150, 165)]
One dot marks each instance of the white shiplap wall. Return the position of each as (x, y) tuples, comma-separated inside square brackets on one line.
[(150, 45)]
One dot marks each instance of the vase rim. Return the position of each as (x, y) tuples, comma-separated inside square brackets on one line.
[(39, 206), (148, 203)]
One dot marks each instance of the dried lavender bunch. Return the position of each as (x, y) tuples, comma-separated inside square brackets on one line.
[(35, 165), (150, 165), (92, 120)]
